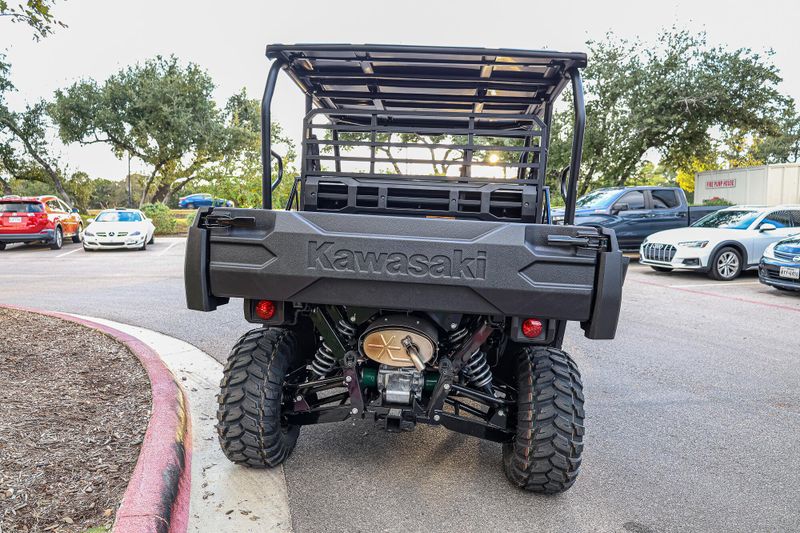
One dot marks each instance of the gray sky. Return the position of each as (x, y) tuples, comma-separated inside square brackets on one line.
[(228, 39)]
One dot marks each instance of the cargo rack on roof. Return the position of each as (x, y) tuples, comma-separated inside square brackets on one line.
[(363, 101)]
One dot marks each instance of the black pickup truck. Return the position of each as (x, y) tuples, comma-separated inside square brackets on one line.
[(388, 290), (636, 212)]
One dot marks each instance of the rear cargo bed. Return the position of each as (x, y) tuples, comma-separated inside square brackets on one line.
[(464, 266)]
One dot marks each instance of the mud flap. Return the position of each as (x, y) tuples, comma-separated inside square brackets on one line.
[(195, 268), (611, 270)]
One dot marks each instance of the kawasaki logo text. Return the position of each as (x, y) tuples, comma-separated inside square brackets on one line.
[(456, 265)]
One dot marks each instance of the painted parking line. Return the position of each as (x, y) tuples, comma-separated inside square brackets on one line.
[(167, 249), (718, 295), (717, 284), (70, 252)]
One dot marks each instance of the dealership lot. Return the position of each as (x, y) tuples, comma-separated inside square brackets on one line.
[(692, 412)]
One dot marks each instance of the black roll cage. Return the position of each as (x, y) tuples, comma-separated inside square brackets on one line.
[(412, 85)]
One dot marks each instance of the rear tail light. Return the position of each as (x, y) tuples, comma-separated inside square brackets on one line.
[(265, 309), (531, 328)]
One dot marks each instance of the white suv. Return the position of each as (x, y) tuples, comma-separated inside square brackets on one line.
[(722, 243)]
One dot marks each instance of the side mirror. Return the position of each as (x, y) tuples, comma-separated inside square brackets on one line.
[(75, 210), (766, 227), (620, 207), (89, 221)]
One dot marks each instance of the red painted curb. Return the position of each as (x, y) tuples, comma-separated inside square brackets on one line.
[(157, 497)]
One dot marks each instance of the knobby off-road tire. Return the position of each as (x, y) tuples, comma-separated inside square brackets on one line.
[(249, 414), (546, 452)]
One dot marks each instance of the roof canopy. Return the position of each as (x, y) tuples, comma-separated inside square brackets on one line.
[(436, 80)]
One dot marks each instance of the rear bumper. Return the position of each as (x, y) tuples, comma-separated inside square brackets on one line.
[(9, 238), (475, 267), (768, 274)]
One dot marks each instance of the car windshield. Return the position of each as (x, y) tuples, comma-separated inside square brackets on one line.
[(598, 199), (20, 207), (728, 219), (118, 216)]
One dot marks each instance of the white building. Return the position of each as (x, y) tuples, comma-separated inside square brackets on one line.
[(762, 185)]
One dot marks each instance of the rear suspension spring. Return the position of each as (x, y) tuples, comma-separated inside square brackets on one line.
[(477, 371), (325, 360)]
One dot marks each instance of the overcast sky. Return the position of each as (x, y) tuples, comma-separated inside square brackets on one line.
[(228, 39)]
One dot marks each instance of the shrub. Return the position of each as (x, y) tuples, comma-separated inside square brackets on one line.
[(162, 218), (717, 201)]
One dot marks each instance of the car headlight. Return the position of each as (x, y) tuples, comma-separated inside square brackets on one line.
[(769, 253), (694, 244), (88, 233), (134, 233)]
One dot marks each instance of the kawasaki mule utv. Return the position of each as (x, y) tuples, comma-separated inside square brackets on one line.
[(414, 275)]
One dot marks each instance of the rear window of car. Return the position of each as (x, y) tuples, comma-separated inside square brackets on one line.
[(119, 216), (21, 207)]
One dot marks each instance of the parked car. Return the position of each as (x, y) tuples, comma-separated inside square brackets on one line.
[(636, 212), (202, 200), (722, 243), (44, 219), (780, 265), (119, 228)]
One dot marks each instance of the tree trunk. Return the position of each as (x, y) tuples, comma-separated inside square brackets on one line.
[(51, 172), (6, 186)]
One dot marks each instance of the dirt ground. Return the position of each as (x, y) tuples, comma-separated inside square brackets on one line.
[(74, 406)]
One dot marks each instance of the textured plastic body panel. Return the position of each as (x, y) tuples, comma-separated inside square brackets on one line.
[(390, 262)]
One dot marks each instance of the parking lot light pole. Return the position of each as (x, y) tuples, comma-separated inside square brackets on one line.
[(130, 198)]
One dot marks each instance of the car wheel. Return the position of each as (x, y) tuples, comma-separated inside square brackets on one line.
[(2, 246), (726, 264), (661, 269), (143, 247), (545, 454), (251, 399), (58, 239), (152, 239), (77, 237), (189, 206)]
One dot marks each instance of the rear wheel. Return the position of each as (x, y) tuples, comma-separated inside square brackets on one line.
[(58, 239), (2, 246), (545, 454), (77, 237), (250, 425), (661, 269), (726, 264)]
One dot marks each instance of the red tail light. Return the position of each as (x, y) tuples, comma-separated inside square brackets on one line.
[(265, 309), (531, 328)]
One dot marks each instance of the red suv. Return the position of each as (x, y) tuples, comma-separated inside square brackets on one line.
[(38, 219)]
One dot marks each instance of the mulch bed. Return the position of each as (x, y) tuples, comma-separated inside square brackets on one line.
[(74, 407)]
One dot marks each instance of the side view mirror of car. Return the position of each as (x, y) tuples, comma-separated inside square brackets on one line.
[(75, 210), (766, 227), (620, 207), (90, 221)]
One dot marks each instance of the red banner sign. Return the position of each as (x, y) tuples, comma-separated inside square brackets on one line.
[(721, 184)]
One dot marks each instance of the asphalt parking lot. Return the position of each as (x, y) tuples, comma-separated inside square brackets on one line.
[(693, 412)]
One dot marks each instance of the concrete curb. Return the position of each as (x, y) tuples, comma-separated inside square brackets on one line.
[(157, 497)]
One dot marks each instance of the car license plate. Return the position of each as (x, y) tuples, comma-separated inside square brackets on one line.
[(15, 220), (789, 272)]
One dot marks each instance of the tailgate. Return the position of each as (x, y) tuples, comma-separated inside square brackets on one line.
[(462, 266)]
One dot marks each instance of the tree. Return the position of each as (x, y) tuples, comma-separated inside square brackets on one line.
[(35, 13), (672, 99), (237, 176), (160, 112)]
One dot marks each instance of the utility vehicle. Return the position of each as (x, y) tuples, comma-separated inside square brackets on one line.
[(413, 275)]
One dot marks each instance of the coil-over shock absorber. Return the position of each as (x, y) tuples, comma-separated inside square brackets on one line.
[(324, 360), (477, 371)]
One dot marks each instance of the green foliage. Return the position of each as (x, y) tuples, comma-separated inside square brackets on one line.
[(672, 98), (35, 13), (162, 218), (716, 201), (160, 112)]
